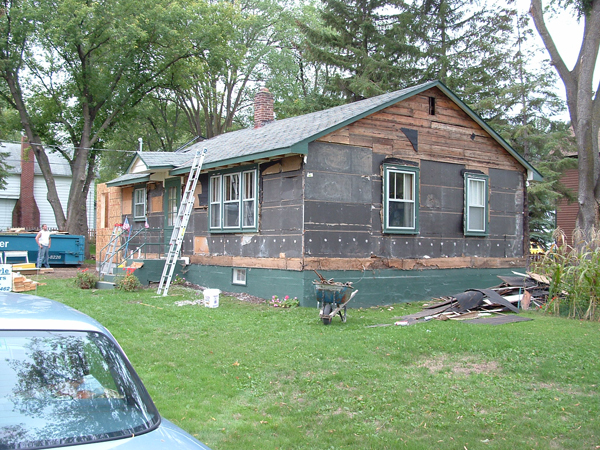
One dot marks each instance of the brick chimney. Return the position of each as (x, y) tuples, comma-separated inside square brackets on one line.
[(26, 213), (263, 108)]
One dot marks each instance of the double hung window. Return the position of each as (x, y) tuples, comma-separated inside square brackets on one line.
[(400, 199), (476, 205), (172, 205), (139, 203), (233, 201)]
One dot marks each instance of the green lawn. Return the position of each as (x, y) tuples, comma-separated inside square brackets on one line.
[(246, 376)]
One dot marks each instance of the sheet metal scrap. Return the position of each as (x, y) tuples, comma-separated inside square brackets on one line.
[(479, 305)]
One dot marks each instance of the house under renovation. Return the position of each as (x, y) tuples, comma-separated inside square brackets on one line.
[(408, 195)]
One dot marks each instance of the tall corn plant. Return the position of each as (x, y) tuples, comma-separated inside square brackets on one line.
[(575, 276)]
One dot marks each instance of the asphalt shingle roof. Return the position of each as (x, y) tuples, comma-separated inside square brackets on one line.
[(292, 135), (283, 134), (164, 159)]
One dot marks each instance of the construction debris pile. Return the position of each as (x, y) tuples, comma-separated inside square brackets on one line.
[(519, 292)]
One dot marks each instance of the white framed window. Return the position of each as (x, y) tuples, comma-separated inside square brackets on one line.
[(139, 203), (239, 276), (476, 205), (249, 199), (215, 202), (400, 199), (233, 201), (171, 205)]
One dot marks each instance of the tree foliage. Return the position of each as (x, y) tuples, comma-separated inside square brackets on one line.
[(583, 101), (367, 46), (84, 66), (217, 86)]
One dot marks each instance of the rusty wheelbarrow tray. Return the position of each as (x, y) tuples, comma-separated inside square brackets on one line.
[(332, 298)]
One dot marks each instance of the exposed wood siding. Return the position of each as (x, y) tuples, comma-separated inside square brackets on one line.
[(343, 207), (566, 213), (108, 213)]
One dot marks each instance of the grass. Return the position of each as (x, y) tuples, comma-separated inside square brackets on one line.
[(246, 376)]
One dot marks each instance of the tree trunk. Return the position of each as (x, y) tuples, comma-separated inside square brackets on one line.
[(38, 149), (583, 108)]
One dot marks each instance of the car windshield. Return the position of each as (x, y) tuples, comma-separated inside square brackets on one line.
[(64, 388)]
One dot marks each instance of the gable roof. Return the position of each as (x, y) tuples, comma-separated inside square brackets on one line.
[(143, 163), (58, 164), (292, 135)]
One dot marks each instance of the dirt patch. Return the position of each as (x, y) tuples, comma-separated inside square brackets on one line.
[(465, 366), (63, 272)]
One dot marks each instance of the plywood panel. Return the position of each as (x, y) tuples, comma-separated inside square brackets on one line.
[(127, 197)]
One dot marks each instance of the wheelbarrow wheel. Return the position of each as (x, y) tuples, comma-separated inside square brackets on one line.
[(327, 312)]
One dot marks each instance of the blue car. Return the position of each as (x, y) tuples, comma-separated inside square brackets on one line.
[(65, 381)]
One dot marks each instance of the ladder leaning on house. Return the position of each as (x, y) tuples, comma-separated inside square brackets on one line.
[(181, 221), (107, 262)]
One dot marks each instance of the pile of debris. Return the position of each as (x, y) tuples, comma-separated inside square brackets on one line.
[(519, 292)]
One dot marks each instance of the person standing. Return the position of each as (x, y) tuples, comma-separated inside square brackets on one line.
[(43, 241)]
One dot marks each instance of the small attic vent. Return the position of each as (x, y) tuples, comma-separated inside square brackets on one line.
[(432, 106)]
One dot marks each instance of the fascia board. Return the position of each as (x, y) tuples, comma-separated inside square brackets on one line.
[(299, 148)]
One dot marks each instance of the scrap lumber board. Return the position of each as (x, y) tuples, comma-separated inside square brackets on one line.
[(424, 313), (36, 270)]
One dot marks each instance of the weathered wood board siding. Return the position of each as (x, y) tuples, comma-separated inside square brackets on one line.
[(343, 207), (566, 213), (108, 213)]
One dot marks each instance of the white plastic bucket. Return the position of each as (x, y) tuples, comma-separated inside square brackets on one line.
[(211, 298)]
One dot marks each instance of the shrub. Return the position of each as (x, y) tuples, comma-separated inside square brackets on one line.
[(86, 279), (128, 283), (178, 280)]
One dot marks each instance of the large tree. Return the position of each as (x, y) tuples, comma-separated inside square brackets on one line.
[(369, 42), (218, 85), (583, 101), (72, 69), (466, 45)]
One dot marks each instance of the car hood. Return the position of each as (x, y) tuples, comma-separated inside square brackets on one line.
[(166, 437)]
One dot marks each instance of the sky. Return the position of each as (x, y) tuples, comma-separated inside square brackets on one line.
[(565, 30), (567, 34)]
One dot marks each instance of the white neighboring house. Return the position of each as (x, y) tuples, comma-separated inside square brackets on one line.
[(62, 177)]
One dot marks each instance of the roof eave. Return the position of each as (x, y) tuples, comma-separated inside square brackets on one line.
[(300, 148), (141, 179)]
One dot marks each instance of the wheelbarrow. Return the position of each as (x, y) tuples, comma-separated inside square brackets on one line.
[(332, 299)]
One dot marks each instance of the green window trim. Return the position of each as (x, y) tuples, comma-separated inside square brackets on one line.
[(476, 207), (233, 201), (139, 203), (400, 199)]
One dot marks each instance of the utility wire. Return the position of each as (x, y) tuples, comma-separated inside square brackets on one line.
[(58, 147)]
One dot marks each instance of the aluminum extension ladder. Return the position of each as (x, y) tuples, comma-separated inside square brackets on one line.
[(111, 249), (181, 221)]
